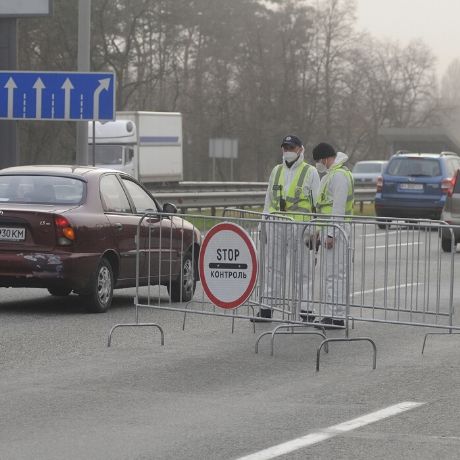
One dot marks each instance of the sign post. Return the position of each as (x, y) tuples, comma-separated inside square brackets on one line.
[(8, 58), (10, 11), (223, 148), (228, 265), (84, 65)]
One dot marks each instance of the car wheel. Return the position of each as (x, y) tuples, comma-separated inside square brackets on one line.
[(59, 291), (383, 225), (98, 298), (446, 244), (183, 288)]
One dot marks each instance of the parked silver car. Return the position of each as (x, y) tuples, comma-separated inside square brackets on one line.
[(365, 173)]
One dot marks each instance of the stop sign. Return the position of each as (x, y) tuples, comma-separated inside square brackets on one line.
[(228, 265)]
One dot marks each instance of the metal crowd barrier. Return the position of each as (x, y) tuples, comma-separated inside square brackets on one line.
[(392, 273), (286, 280), (320, 279), (401, 273)]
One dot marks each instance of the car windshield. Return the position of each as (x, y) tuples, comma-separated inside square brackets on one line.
[(40, 189), (368, 168), (108, 154), (415, 167)]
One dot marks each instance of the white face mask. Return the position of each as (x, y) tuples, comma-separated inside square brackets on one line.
[(321, 167), (290, 156)]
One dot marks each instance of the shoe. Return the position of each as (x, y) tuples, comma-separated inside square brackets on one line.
[(329, 323), (263, 316), (307, 316)]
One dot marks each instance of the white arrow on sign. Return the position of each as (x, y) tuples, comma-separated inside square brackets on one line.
[(38, 86), (103, 85), (67, 87), (11, 86)]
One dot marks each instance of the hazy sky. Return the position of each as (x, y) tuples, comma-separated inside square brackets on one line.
[(437, 22)]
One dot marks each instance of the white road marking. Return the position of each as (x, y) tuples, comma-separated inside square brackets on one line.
[(389, 288), (369, 235), (327, 433), (393, 245)]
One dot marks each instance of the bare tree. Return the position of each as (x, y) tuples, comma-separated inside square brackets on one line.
[(250, 69), (450, 86)]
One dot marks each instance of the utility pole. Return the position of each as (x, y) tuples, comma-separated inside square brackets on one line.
[(84, 39)]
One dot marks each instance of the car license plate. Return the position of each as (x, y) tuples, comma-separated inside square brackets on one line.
[(12, 234), (411, 186)]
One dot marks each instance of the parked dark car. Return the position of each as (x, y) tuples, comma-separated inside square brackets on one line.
[(73, 228), (451, 215), (416, 185)]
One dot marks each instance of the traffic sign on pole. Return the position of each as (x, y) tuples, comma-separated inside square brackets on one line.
[(228, 265), (77, 96), (25, 8)]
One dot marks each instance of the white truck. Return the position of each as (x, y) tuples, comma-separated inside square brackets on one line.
[(147, 145)]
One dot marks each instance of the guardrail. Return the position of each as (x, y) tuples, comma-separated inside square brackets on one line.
[(364, 195), (220, 199), (196, 186)]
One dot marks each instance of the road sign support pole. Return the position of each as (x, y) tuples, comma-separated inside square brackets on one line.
[(94, 143), (84, 39), (8, 61)]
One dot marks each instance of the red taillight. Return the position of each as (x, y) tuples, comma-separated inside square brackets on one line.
[(379, 184), (447, 186), (65, 232)]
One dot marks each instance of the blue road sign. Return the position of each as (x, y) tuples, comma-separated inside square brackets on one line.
[(57, 96)]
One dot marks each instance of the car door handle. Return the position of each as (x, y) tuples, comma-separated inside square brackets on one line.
[(118, 226)]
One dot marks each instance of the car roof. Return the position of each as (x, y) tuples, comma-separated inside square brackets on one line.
[(53, 170), (424, 155)]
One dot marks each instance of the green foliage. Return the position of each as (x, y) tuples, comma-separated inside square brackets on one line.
[(364, 209)]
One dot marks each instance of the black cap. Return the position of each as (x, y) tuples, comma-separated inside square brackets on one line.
[(323, 150), (291, 140)]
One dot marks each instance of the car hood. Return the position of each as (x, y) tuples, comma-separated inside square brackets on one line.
[(179, 222)]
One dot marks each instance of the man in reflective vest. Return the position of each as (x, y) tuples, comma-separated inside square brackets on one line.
[(293, 190), (335, 200)]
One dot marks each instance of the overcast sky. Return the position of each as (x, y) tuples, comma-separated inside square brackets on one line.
[(437, 22)]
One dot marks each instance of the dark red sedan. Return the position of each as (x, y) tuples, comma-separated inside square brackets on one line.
[(74, 228)]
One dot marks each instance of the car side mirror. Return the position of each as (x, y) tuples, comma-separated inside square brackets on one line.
[(169, 208)]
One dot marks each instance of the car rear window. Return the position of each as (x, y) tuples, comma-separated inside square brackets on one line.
[(41, 189), (416, 167), (368, 168)]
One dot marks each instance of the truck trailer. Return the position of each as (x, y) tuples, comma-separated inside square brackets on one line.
[(147, 145)]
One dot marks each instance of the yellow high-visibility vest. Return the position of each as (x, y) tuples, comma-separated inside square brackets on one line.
[(296, 200), (325, 201)]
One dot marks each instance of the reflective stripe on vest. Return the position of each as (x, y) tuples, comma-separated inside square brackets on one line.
[(296, 201), (325, 201)]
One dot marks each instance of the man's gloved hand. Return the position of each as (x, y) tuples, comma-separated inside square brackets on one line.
[(329, 243), (311, 241)]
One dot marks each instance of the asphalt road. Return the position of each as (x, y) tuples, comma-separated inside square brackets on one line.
[(205, 394)]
